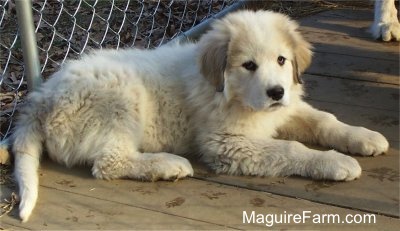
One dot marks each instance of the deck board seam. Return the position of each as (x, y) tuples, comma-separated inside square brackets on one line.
[(348, 104), (351, 78), (357, 56), (139, 207)]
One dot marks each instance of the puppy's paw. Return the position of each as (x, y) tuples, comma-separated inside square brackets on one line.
[(387, 31), (172, 167), (365, 142), (333, 165)]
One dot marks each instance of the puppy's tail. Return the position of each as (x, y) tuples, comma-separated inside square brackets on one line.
[(27, 140)]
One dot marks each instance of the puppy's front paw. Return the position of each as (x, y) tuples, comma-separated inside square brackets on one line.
[(333, 165), (173, 167), (365, 142)]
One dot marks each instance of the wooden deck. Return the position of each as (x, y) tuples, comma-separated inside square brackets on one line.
[(352, 76)]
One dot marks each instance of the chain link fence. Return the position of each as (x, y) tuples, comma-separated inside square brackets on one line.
[(67, 28)]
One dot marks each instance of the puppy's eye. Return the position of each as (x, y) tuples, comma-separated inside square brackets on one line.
[(281, 60), (250, 66)]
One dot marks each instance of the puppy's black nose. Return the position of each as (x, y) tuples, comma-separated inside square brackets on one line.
[(276, 93)]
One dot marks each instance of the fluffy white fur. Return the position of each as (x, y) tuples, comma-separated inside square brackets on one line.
[(127, 113), (386, 23)]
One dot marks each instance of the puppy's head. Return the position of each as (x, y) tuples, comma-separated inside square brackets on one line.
[(255, 58)]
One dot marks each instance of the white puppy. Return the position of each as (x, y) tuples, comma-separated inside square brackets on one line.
[(234, 98), (386, 23)]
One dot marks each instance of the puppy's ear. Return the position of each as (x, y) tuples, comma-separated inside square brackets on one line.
[(296, 74), (302, 55), (213, 48)]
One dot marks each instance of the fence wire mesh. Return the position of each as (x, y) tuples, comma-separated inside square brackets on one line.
[(66, 29)]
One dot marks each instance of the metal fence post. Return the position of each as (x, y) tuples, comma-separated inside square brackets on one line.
[(28, 42)]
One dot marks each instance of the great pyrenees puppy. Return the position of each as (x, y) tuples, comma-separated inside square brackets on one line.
[(234, 99)]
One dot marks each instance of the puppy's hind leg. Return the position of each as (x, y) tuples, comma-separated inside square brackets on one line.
[(141, 166), (117, 160)]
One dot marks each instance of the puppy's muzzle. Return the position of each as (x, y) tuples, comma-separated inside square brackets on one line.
[(276, 93)]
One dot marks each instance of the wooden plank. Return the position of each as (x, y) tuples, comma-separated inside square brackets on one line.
[(350, 15), (4, 226), (352, 46), (351, 67), (57, 209), (343, 49), (354, 23), (352, 92), (71, 198)]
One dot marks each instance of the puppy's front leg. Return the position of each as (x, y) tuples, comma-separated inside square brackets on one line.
[(314, 126), (238, 155)]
